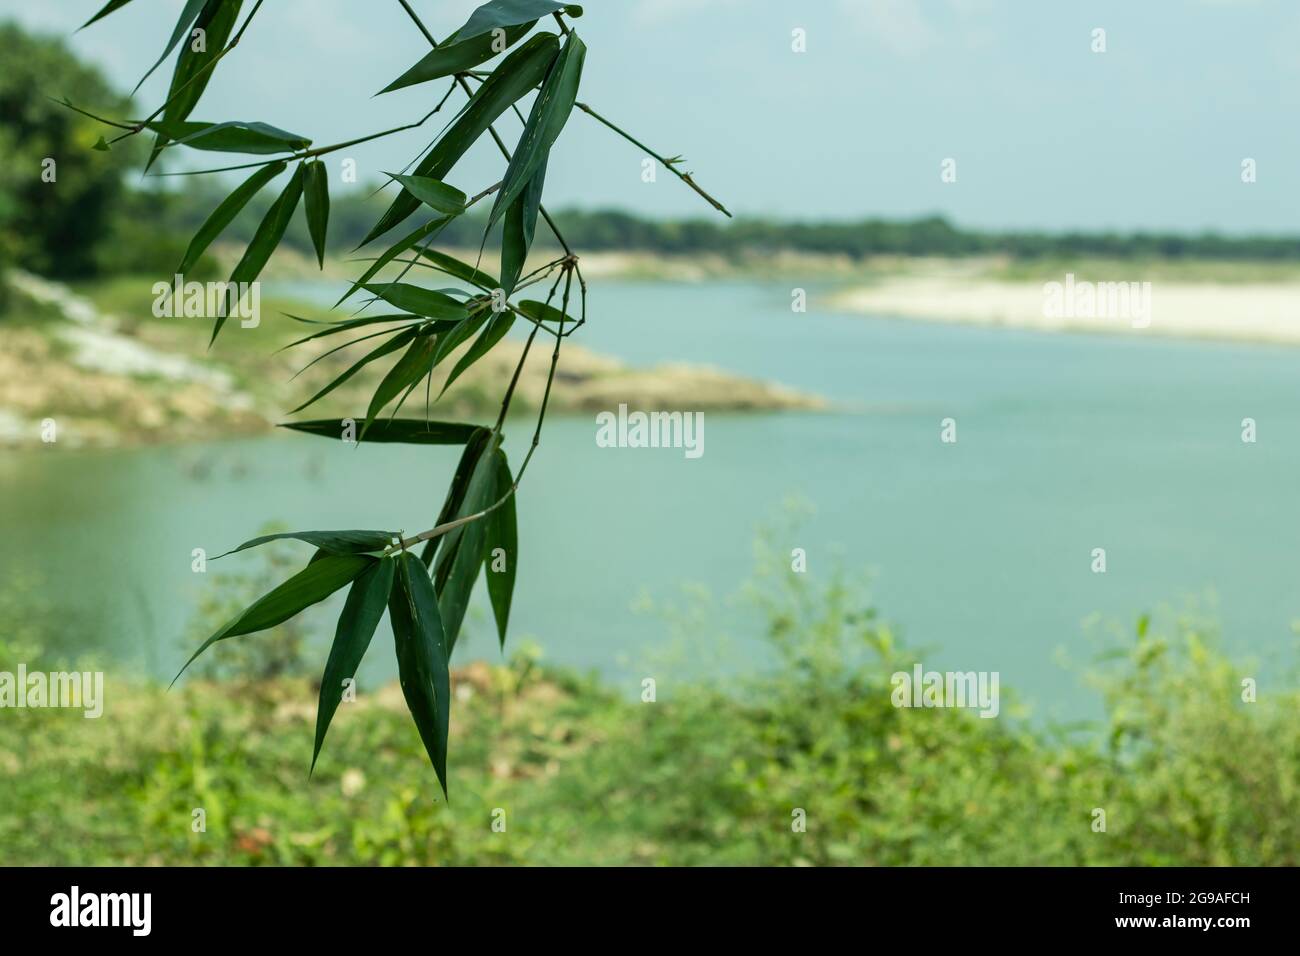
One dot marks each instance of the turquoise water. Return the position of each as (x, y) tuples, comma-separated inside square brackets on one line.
[(981, 549)]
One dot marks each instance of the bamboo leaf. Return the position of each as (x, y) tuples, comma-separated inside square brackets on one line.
[(430, 228), (314, 583), (460, 270), (225, 213), (542, 312), (317, 205), (456, 56), (550, 112), (414, 364), (506, 13), (409, 431), (189, 13), (458, 564), (455, 497), (518, 73), (422, 659), (418, 325), (104, 11), (392, 345), (462, 572), (492, 333), (332, 542), (334, 328), (518, 229), (455, 337), (235, 136), (367, 600), (434, 193), (194, 67), (417, 299), (501, 534), (264, 241)]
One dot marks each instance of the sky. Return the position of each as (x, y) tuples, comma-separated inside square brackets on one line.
[(1045, 133)]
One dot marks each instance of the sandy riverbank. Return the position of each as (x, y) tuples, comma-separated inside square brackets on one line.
[(1266, 311), (106, 378)]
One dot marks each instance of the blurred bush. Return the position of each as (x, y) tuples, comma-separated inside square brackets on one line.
[(1187, 773), (145, 241)]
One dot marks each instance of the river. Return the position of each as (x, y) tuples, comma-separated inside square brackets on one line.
[(982, 549)]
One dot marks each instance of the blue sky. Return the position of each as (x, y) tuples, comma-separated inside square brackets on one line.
[(1046, 133)]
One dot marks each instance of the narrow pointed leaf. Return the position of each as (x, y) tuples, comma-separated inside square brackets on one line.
[(417, 299), (492, 333), (518, 229), (455, 56), (104, 11), (195, 68), (189, 13), (506, 13), (332, 542), (550, 112), (542, 312), (264, 241), (434, 193), (460, 333), (455, 496), (392, 345), (430, 228), (334, 328), (234, 136), (225, 213), (518, 73), (502, 536), (461, 270), (366, 603), (422, 659), (417, 326), (313, 584), (409, 431), (462, 572), (461, 558), (472, 496), (409, 369), (316, 202)]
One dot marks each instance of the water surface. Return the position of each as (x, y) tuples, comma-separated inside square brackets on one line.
[(982, 548)]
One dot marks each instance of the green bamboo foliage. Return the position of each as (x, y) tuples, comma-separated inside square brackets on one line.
[(194, 66), (536, 76)]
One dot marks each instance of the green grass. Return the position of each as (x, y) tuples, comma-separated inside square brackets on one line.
[(131, 298), (1186, 772)]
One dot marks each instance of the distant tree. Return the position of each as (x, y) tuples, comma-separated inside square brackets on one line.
[(57, 195)]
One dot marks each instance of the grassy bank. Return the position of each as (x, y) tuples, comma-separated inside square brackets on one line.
[(97, 361), (1186, 772)]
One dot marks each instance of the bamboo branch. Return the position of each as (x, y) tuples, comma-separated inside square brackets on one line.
[(496, 137)]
